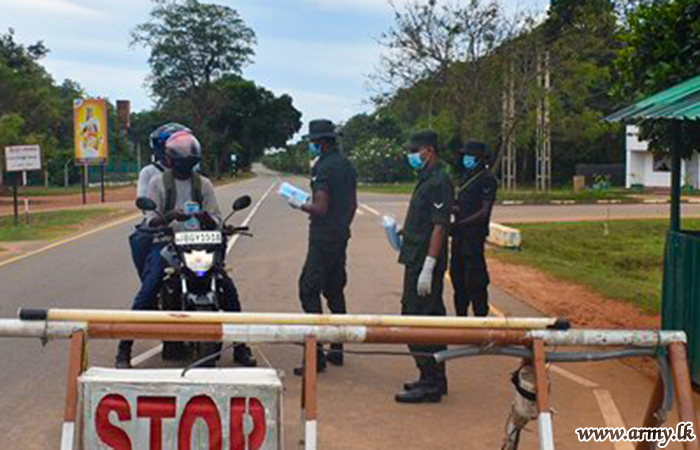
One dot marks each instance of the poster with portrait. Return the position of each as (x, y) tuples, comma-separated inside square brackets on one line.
[(90, 122)]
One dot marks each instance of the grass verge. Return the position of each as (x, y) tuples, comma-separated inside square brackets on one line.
[(524, 195), (47, 225), (626, 264)]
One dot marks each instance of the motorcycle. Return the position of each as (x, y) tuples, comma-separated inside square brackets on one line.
[(195, 275)]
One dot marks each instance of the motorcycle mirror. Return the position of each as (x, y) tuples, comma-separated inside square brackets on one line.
[(145, 204), (241, 203)]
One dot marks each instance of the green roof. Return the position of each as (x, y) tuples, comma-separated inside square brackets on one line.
[(680, 102)]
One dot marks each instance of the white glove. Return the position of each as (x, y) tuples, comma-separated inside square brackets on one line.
[(295, 203), (425, 279)]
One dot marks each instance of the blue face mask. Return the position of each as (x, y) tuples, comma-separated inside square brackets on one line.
[(314, 149), (469, 162), (415, 161)]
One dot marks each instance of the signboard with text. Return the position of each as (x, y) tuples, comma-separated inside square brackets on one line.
[(234, 409), (22, 158), (90, 123)]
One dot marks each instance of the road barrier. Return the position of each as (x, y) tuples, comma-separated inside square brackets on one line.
[(504, 236), (507, 336)]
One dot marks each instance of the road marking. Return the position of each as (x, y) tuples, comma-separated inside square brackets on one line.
[(148, 354), (145, 356), (250, 216), (360, 212), (371, 210), (573, 377), (69, 240), (611, 415)]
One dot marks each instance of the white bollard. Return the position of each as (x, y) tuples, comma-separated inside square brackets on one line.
[(504, 236)]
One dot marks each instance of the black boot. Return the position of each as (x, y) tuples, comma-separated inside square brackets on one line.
[(423, 393), (335, 355), (320, 363), (123, 359), (243, 356), (414, 384), (436, 376)]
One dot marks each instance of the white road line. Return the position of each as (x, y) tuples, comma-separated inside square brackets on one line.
[(573, 377), (70, 239), (250, 216), (360, 212), (148, 354), (611, 415), (371, 210), (145, 356)]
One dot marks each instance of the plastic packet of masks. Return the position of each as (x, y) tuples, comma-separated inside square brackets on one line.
[(290, 192), (392, 232)]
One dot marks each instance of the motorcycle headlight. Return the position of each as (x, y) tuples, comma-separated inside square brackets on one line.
[(199, 262)]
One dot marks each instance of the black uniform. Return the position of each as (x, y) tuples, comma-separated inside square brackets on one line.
[(324, 269), (470, 278), (430, 205)]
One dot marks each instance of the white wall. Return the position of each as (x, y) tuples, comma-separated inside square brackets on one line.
[(640, 165)]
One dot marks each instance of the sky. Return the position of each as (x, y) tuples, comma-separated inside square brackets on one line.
[(318, 51)]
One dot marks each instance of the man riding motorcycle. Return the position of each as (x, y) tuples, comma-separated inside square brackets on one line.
[(176, 191)]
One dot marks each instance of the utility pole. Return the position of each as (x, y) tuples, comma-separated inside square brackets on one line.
[(543, 163), (509, 158)]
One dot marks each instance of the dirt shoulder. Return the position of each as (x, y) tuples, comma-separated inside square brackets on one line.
[(583, 307)]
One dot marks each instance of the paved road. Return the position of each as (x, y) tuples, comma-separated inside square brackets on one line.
[(356, 402), (552, 213)]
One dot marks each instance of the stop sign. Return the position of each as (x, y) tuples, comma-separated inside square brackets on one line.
[(218, 409)]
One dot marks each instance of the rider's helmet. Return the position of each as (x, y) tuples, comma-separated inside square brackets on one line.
[(160, 136), (182, 153)]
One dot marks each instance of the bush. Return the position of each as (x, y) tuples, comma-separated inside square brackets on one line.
[(381, 161), (295, 159)]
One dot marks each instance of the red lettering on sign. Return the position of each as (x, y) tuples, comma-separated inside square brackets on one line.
[(111, 435), (257, 436), (200, 407), (156, 409)]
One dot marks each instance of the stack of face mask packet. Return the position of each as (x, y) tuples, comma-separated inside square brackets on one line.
[(291, 192), (392, 232)]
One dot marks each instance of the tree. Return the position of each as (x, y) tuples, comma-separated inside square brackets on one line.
[(660, 49), (249, 117), (192, 45), (362, 127), (28, 92)]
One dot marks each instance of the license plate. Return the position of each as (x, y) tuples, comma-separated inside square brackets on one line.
[(198, 238)]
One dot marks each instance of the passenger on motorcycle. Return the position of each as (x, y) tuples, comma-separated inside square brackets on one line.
[(142, 239), (175, 191)]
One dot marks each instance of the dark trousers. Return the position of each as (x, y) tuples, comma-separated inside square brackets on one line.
[(432, 305), (152, 281), (470, 281), (140, 243), (324, 273)]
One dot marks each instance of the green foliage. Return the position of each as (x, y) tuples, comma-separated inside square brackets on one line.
[(363, 127), (46, 225), (381, 161), (192, 44), (250, 118), (661, 48), (294, 159), (198, 51), (626, 264), (33, 108)]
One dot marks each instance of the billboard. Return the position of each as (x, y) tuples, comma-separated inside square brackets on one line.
[(90, 123)]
